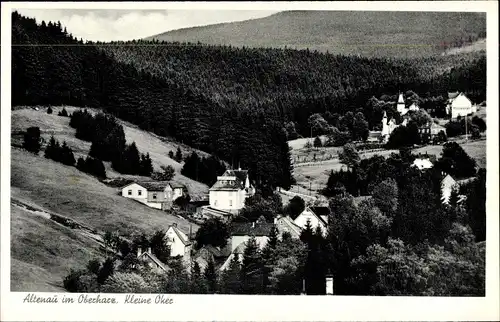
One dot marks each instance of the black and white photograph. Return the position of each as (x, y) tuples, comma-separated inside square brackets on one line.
[(248, 152)]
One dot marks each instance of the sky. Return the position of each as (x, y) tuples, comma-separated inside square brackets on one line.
[(109, 25)]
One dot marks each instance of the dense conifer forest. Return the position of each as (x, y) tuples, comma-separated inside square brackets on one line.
[(232, 102)]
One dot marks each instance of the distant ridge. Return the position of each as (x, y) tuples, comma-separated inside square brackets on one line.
[(376, 33)]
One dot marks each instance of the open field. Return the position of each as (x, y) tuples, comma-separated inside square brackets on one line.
[(74, 194), (315, 176), (158, 148), (42, 252)]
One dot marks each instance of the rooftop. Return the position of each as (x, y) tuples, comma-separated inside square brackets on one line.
[(251, 229), (238, 184), (157, 185)]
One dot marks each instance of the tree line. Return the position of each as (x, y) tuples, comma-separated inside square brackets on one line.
[(215, 99), (85, 75), (62, 153), (108, 143), (203, 169)]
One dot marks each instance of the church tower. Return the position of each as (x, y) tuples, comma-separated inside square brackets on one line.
[(385, 126), (401, 104)]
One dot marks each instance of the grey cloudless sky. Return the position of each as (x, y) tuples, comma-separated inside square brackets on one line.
[(108, 25)]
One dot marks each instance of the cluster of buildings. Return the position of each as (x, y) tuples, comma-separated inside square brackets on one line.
[(457, 105), (227, 198)]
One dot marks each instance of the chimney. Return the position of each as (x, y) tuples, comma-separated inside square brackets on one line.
[(174, 225), (253, 224), (139, 252), (329, 283), (149, 250)]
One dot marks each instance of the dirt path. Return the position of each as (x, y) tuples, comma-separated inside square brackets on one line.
[(82, 230)]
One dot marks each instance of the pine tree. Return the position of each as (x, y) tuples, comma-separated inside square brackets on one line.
[(197, 283), (67, 156), (32, 140), (146, 167), (251, 275), (307, 233), (51, 148), (178, 155), (49, 110), (210, 275), (230, 279)]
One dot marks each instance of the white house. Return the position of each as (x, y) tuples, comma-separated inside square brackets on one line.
[(317, 216), (447, 186), (179, 242), (230, 191), (414, 107), (422, 164), (155, 194), (242, 232), (459, 105)]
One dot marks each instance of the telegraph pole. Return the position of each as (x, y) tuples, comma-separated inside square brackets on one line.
[(466, 128)]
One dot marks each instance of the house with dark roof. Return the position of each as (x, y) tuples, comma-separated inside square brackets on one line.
[(228, 194), (148, 259), (209, 253), (155, 194), (316, 216), (180, 244), (241, 232)]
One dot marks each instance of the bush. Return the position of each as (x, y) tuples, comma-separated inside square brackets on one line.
[(317, 142), (480, 123)]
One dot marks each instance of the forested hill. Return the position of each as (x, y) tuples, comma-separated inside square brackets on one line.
[(370, 34), (232, 102), (290, 85), (50, 66)]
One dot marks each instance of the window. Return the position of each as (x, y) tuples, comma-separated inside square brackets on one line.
[(154, 195), (139, 192), (230, 203), (130, 192), (215, 203)]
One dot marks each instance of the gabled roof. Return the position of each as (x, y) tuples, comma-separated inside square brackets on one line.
[(183, 237), (154, 259), (320, 211), (156, 185), (213, 251), (251, 229), (320, 219), (240, 174), (176, 185), (238, 184), (287, 221), (452, 96)]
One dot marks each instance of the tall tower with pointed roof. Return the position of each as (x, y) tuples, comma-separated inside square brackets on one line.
[(385, 126), (401, 104)]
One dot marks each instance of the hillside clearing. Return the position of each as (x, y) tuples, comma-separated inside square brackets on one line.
[(42, 252), (74, 194), (158, 148)]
